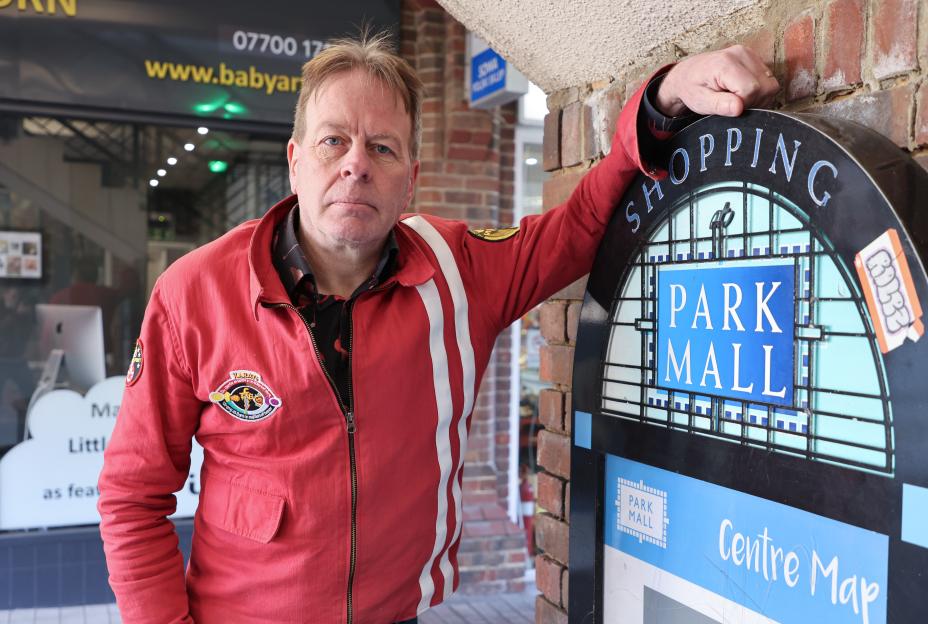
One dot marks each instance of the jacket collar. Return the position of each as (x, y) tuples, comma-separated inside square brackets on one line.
[(412, 265)]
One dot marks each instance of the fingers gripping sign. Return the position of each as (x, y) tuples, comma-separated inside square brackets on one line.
[(723, 82)]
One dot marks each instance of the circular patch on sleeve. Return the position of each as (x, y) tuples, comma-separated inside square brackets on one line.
[(135, 364), (494, 235)]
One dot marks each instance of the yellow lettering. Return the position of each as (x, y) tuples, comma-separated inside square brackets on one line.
[(36, 5), (48, 7), (69, 7)]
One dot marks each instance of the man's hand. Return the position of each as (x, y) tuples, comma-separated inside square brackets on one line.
[(724, 82)]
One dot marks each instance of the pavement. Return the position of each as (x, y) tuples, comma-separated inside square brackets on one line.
[(459, 609)]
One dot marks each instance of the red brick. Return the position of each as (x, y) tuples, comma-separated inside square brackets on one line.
[(468, 152), (799, 50), (556, 364), (571, 135), (463, 197), (548, 578), (762, 43), (551, 147), (459, 136), (441, 181), (567, 501), (554, 453), (587, 135), (551, 494), (551, 409), (887, 112), (557, 188), (552, 537), (547, 613), (573, 321), (553, 320), (921, 119), (608, 105), (894, 37), (844, 36)]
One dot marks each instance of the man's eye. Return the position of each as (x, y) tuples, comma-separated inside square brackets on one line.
[(382, 149), (332, 141)]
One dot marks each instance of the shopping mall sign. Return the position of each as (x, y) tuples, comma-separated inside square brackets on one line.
[(748, 401), (170, 59)]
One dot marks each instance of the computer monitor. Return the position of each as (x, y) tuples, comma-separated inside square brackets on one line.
[(78, 332)]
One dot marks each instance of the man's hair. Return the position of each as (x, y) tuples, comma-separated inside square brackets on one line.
[(373, 54)]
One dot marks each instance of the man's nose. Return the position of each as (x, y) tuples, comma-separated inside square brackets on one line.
[(357, 163)]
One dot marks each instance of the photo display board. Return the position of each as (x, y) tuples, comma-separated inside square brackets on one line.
[(749, 400), (20, 254)]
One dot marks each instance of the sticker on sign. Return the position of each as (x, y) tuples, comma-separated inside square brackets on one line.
[(891, 299)]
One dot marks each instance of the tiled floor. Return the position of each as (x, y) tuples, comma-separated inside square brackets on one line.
[(459, 609)]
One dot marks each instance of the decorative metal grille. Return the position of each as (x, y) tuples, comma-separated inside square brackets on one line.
[(841, 410)]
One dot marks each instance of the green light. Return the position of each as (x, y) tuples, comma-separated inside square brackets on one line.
[(205, 108), (218, 166), (235, 108)]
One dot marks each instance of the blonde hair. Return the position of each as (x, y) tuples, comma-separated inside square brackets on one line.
[(372, 53)]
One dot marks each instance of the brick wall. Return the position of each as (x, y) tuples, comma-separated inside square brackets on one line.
[(467, 173), (861, 60)]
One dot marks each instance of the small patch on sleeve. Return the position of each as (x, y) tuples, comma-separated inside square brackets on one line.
[(494, 235), (135, 364)]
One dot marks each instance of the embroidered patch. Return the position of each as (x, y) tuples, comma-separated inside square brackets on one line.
[(244, 396), (135, 364), (494, 235)]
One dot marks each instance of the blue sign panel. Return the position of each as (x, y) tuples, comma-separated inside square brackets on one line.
[(710, 548), (487, 74), (727, 329)]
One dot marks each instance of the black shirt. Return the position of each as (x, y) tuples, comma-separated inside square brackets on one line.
[(328, 316)]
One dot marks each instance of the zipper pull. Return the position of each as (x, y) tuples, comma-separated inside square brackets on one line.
[(349, 417)]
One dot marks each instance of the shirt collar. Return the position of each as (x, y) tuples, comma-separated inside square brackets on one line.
[(294, 269)]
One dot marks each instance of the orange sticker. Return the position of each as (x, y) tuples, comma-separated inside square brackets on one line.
[(884, 273)]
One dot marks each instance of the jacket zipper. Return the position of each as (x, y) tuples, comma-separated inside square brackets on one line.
[(348, 413)]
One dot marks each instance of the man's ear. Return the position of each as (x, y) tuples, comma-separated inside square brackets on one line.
[(293, 156), (413, 177)]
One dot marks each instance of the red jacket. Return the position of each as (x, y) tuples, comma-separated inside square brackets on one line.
[(272, 534)]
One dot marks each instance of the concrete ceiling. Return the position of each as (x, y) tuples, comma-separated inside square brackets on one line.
[(564, 43)]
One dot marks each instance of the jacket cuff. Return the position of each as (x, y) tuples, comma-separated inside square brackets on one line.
[(633, 135)]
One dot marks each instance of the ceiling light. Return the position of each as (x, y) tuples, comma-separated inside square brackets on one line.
[(172, 161), (530, 161), (162, 173), (189, 147), (218, 166), (202, 130), (153, 182)]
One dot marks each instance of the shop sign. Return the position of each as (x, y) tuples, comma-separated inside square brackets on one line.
[(170, 58), (491, 80), (748, 418), (50, 479)]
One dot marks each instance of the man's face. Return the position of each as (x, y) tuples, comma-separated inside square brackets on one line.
[(352, 171)]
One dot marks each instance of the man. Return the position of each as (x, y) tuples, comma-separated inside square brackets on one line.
[(327, 357)]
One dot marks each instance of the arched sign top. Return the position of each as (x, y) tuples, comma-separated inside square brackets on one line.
[(746, 366)]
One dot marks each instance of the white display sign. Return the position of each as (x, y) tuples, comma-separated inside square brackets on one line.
[(50, 480)]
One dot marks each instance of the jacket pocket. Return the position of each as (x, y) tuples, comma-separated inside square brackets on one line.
[(242, 510)]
